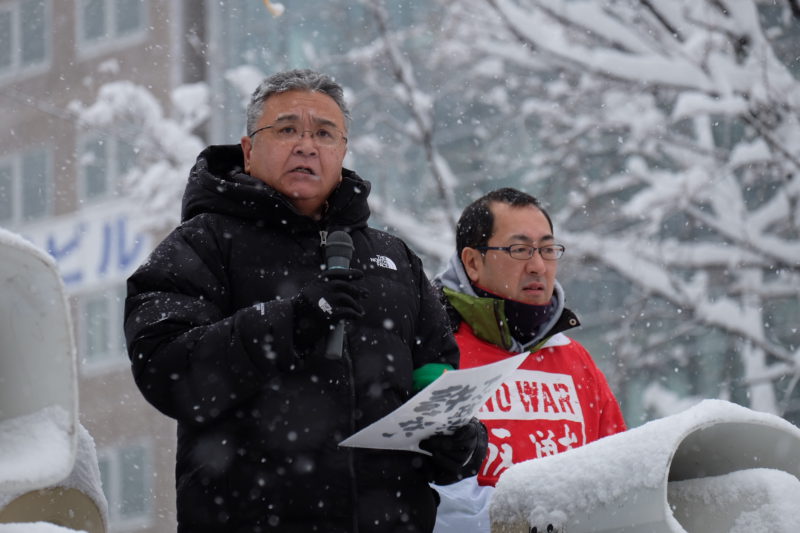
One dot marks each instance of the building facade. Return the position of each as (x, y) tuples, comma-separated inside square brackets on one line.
[(61, 188)]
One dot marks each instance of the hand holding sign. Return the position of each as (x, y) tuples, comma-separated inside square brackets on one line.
[(441, 407), (459, 455)]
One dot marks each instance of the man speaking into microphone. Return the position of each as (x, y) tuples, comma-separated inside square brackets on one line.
[(273, 323)]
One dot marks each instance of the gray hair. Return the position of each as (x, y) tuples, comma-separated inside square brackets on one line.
[(294, 80)]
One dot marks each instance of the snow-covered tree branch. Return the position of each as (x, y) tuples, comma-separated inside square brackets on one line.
[(671, 131), (165, 147), (419, 106)]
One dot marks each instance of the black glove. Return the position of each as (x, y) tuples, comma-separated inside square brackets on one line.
[(458, 455), (331, 297)]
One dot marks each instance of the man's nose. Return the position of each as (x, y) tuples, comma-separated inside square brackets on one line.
[(305, 144), (535, 263)]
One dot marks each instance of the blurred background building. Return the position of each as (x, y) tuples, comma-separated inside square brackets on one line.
[(60, 187)]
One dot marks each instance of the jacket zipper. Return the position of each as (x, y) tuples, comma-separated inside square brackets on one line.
[(350, 451), (323, 237)]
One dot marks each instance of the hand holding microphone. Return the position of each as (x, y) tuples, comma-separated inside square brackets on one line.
[(325, 303)]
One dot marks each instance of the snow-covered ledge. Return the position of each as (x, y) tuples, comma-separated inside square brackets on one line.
[(714, 467)]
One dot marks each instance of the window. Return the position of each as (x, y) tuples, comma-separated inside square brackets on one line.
[(102, 21), (94, 170), (6, 44), (24, 35), (93, 16), (37, 185), (26, 187), (128, 16), (33, 18), (101, 338), (125, 472), (6, 192), (103, 163)]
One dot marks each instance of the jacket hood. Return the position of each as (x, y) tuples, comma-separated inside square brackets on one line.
[(218, 184), (486, 316)]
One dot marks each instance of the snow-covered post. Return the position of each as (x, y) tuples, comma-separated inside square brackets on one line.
[(38, 368), (48, 462), (714, 467)]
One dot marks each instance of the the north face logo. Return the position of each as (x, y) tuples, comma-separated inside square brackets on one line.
[(383, 261)]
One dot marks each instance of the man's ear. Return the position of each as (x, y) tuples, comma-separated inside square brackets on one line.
[(472, 261), (247, 145)]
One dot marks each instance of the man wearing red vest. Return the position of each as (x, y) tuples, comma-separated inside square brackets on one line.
[(501, 292)]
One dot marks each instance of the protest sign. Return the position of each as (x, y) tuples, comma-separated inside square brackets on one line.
[(441, 407)]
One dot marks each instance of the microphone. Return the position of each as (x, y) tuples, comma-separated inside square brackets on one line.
[(338, 252)]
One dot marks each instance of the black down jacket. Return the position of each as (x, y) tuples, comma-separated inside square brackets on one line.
[(209, 324)]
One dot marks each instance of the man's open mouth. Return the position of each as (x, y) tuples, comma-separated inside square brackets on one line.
[(303, 170)]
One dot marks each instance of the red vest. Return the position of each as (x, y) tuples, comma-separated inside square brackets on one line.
[(556, 400)]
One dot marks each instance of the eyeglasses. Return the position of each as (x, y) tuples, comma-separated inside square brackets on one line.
[(292, 132), (523, 252)]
